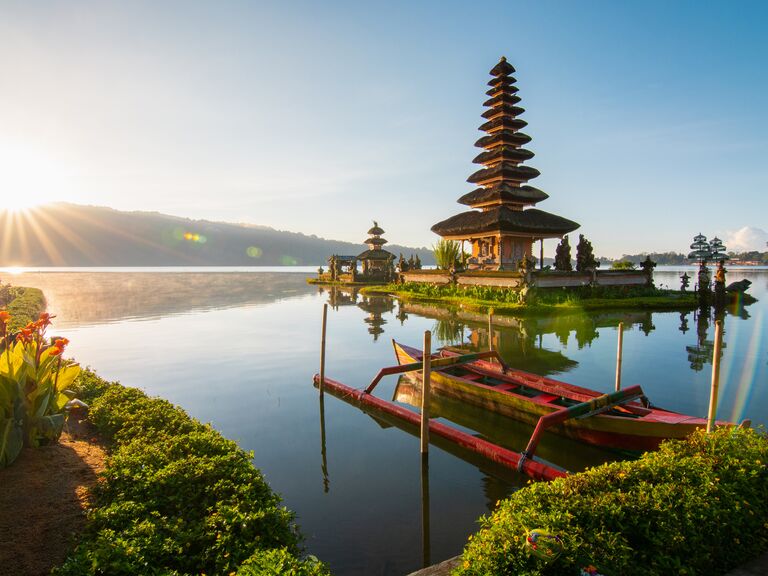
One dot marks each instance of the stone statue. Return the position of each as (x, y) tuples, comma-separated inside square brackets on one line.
[(685, 282), (720, 283)]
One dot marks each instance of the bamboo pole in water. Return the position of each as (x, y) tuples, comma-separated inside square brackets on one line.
[(715, 376), (490, 329), (323, 453), (322, 349), (618, 356), (426, 548), (427, 358)]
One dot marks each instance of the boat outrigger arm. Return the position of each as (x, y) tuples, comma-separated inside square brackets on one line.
[(436, 364), (586, 409), (583, 410)]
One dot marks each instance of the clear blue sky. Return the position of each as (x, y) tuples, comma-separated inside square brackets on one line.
[(649, 119)]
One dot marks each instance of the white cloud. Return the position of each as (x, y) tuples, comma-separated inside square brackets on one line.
[(746, 239)]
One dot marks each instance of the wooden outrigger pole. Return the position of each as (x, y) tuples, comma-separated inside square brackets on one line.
[(523, 461), (507, 458), (520, 461)]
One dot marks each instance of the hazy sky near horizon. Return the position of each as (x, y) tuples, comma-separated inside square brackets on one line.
[(648, 118)]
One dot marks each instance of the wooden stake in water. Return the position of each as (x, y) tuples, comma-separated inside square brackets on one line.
[(427, 357), (323, 453), (322, 349), (490, 329), (715, 376), (618, 356), (426, 548)]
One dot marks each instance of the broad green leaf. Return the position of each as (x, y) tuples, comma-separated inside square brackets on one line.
[(61, 401), (11, 441), (66, 376), (41, 403), (50, 427)]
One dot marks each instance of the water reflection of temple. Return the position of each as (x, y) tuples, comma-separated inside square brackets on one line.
[(339, 296), (701, 353), (521, 340), (376, 306)]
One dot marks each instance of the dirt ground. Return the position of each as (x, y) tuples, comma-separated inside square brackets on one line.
[(43, 498)]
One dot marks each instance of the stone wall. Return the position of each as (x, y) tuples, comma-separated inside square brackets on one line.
[(538, 279), (498, 281), (561, 279), (621, 278), (428, 277)]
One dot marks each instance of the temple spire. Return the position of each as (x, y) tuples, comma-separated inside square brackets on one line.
[(503, 226)]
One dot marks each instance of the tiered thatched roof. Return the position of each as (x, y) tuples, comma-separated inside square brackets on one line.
[(503, 195)]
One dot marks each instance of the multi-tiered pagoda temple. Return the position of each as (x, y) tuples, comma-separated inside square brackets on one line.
[(503, 228), (378, 264)]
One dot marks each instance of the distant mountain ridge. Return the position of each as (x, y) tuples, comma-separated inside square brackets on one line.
[(73, 235)]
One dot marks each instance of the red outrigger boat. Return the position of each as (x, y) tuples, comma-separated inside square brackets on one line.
[(622, 420)]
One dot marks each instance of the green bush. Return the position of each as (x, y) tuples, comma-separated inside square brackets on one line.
[(698, 506), (622, 265), (25, 305), (484, 293), (177, 498), (280, 562)]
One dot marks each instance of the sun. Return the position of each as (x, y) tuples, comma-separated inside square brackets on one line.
[(29, 177), (18, 205)]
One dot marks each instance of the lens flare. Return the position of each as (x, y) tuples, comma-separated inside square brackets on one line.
[(747, 382), (193, 237)]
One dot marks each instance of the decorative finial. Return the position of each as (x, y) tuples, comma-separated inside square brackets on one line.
[(375, 224), (503, 59)]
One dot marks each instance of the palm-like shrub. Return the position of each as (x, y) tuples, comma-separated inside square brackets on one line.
[(448, 254)]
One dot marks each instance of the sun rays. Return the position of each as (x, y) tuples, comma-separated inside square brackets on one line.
[(61, 235)]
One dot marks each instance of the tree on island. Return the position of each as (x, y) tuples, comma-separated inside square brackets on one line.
[(585, 257), (563, 256)]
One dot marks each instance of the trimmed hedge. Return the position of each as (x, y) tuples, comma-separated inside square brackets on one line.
[(698, 506), (24, 304), (177, 498)]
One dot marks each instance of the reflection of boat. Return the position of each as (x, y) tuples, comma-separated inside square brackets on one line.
[(501, 430), (527, 397)]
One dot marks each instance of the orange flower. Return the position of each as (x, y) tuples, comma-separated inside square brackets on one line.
[(44, 319), (58, 346), (4, 316), (25, 334)]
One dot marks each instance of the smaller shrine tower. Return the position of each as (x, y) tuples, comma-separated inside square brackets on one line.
[(502, 228), (378, 264)]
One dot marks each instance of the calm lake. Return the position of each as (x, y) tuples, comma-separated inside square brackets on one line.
[(238, 347)]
